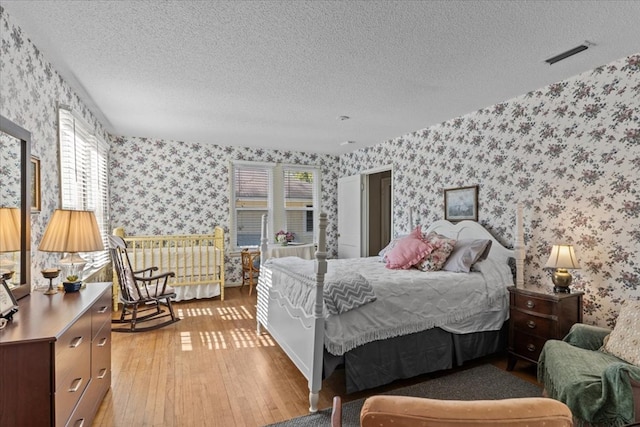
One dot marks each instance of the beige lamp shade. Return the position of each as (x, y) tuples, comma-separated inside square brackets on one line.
[(9, 229), (72, 231), (562, 256)]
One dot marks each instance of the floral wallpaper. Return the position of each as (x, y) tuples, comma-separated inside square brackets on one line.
[(569, 153), (30, 93), (9, 171), (175, 187)]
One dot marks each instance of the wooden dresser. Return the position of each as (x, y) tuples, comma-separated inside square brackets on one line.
[(535, 317), (55, 358)]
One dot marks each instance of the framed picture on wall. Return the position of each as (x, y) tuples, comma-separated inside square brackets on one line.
[(35, 185), (461, 203)]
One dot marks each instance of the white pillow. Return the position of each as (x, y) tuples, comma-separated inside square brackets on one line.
[(624, 340), (467, 252)]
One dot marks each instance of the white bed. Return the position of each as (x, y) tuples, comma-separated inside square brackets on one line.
[(302, 328)]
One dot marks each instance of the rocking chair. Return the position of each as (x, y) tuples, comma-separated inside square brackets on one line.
[(141, 292)]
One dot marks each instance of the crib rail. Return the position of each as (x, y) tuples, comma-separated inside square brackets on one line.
[(195, 259)]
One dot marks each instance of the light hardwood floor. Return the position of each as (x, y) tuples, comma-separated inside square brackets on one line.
[(212, 369)]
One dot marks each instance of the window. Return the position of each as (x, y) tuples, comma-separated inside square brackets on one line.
[(84, 177), (287, 194)]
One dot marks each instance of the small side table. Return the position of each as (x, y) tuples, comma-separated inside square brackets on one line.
[(535, 317)]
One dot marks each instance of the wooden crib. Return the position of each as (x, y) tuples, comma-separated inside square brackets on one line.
[(197, 261)]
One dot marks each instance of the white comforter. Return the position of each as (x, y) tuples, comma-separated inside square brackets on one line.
[(407, 301)]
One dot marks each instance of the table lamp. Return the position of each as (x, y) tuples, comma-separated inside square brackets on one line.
[(72, 231), (9, 238), (562, 257)]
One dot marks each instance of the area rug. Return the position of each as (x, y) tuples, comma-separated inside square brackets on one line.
[(479, 383)]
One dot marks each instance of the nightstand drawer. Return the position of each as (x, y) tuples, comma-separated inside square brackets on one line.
[(536, 317), (532, 303), (531, 324), (529, 346)]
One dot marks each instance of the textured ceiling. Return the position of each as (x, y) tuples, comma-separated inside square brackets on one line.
[(277, 74)]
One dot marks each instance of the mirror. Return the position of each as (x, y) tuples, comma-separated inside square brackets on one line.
[(15, 182)]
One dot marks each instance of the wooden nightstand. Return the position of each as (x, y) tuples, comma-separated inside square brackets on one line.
[(535, 317)]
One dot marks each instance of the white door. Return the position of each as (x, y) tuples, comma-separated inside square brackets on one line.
[(349, 216)]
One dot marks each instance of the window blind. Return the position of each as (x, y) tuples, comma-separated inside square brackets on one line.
[(252, 194), (84, 176)]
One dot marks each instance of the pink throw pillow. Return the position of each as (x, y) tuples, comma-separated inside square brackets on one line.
[(408, 251), (441, 249)]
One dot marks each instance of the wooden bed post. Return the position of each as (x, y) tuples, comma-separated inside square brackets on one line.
[(315, 381), (519, 248)]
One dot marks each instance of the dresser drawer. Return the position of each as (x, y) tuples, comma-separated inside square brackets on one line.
[(100, 382), (532, 303), (46, 354), (101, 313), (69, 389), (101, 358), (82, 415), (532, 324), (73, 343), (529, 346)]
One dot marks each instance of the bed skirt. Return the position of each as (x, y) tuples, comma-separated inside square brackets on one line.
[(382, 362)]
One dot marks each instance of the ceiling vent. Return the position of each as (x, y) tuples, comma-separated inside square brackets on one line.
[(570, 52)]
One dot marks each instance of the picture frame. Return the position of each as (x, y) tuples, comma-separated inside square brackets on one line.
[(461, 203), (8, 303), (35, 185)]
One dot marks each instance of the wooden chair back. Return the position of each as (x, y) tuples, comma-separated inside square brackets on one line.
[(250, 267)]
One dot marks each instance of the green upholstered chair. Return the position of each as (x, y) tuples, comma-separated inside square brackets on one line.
[(598, 387)]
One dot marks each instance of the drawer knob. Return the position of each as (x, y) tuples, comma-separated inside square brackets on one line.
[(531, 324), (76, 342), (103, 309), (79, 423), (102, 342), (75, 385), (530, 304), (531, 347), (102, 373)]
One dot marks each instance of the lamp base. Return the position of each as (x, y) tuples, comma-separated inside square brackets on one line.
[(562, 280)]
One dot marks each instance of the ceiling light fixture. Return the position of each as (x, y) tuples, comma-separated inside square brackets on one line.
[(343, 118), (570, 52)]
